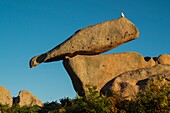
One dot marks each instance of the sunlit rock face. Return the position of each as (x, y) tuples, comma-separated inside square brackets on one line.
[(97, 70), (25, 98), (5, 97), (91, 40), (130, 83)]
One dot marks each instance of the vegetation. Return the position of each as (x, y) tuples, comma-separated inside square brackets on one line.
[(18, 109), (153, 100)]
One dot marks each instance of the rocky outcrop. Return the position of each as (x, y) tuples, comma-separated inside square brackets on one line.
[(5, 97), (91, 40), (130, 83), (25, 98), (114, 72), (97, 70), (126, 73)]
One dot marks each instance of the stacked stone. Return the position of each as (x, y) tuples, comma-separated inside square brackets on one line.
[(112, 72)]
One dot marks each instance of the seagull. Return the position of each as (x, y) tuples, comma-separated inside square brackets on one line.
[(122, 15)]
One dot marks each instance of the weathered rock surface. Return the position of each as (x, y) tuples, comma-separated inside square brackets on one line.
[(131, 82), (163, 59), (91, 40), (5, 97), (97, 70), (25, 98)]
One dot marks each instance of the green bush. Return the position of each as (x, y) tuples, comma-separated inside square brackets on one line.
[(153, 100), (18, 109), (91, 103)]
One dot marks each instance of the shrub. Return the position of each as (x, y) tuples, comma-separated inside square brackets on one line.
[(91, 103), (153, 100), (18, 109)]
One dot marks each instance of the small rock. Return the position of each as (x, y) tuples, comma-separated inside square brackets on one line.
[(150, 61), (164, 59), (25, 98)]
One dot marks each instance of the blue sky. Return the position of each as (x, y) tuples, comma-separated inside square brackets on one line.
[(32, 27)]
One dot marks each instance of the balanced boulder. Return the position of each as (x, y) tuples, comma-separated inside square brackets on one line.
[(91, 40)]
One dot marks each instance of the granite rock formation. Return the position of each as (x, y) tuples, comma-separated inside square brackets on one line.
[(115, 72), (25, 98), (5, 97), (97, 70), (126, 72), (163, 59), (91, 40), (130, 83)]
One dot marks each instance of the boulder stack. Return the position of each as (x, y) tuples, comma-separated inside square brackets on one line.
[(126, 72)]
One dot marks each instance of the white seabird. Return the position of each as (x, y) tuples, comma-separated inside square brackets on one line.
[(122, 15)]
